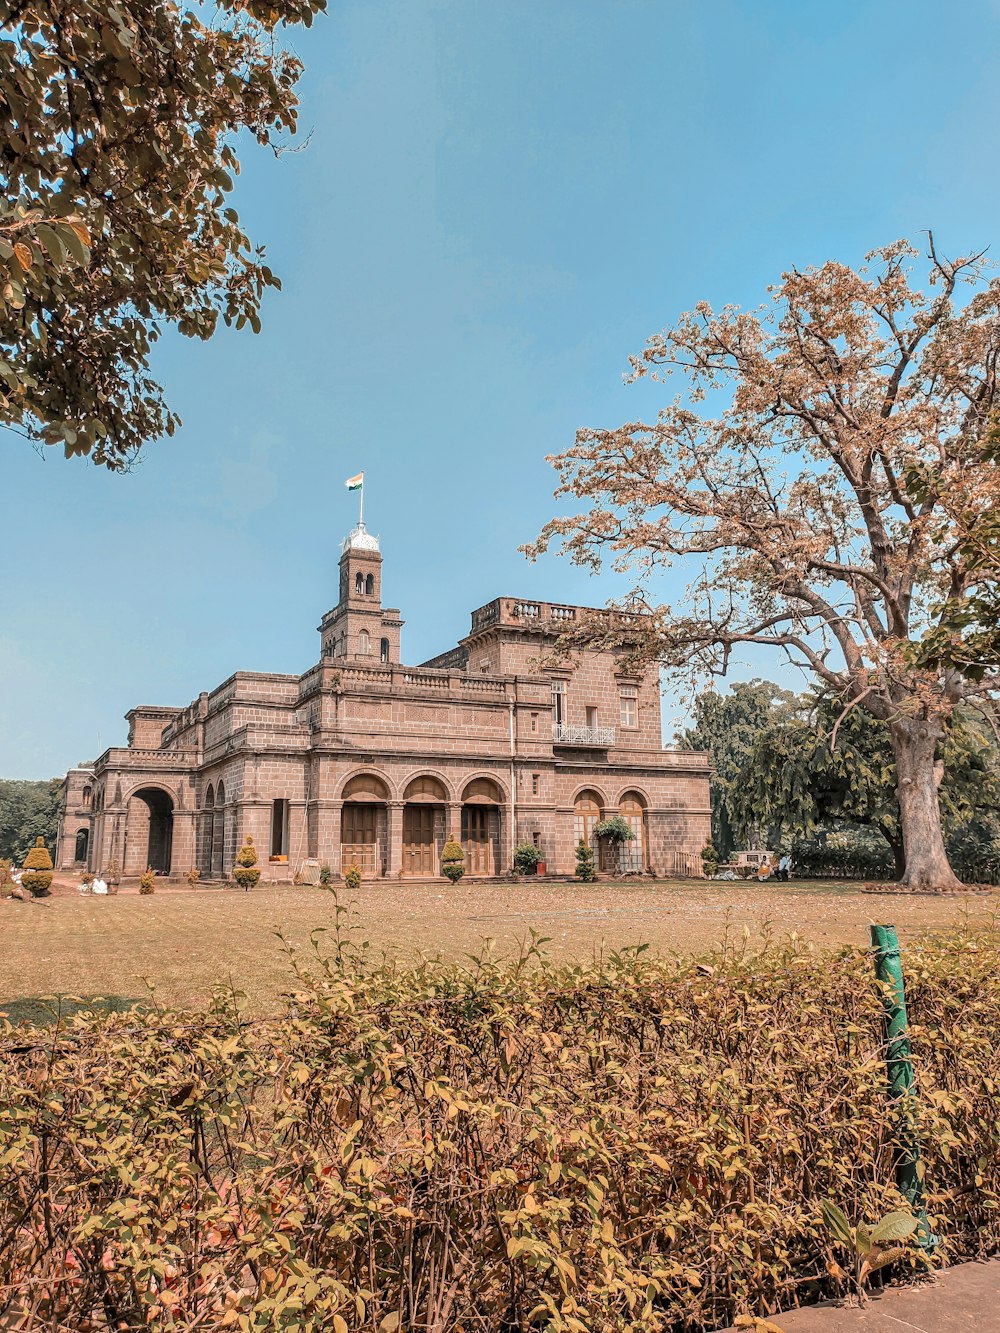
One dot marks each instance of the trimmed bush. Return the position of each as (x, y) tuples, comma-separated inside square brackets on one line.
[(468, 1146), (453, 860), (352, 877), (585, 868), (325, 874), (709, 859), (37, 874), (246, 872), (147, 881), (526, 858)]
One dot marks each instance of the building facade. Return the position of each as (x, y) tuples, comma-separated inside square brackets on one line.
[(363, 759)]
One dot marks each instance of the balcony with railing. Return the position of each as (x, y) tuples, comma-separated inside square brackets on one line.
[(599, 737), (549, 617)]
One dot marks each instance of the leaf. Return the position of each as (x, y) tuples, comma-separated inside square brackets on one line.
[(894, 1226), (75, 244), (836, 1223), (51, 242), (23, 253), (389, 1323), (339, 1324)]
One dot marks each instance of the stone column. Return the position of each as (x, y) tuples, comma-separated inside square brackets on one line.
[(395, 859), (182, 843), (298, 841), (328, 837), (453, 827)]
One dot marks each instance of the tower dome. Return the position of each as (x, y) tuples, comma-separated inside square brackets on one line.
[(360, 539)]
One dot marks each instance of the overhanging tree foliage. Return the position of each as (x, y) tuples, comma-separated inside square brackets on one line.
[(825, 504), (118, 124)]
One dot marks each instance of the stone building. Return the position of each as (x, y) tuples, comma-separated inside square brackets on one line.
[(364, 759)]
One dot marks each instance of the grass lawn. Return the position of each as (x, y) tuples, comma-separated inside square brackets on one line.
[(184, 941)]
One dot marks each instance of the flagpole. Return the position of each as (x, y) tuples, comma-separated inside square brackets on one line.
[(361, 516)]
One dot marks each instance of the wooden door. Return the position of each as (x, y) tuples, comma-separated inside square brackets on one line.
[(480, 838), (419, 851), (359, 837)]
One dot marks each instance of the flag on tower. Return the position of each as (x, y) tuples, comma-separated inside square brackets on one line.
[(355, 483)]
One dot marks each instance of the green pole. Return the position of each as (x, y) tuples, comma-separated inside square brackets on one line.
[(909, 1168)]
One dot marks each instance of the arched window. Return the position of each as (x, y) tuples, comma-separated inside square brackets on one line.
[(364, 643), (82, 845), (632, 809), (86, 797), (370, 585), (384, 650), (359, 582), (586, 813)]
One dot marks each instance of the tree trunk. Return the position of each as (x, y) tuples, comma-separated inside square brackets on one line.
[(919, 776)]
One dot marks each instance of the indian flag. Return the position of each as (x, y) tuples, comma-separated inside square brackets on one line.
[(355, 483)]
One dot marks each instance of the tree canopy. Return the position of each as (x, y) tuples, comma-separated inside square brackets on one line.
[(28, 810), (824, 479), (118, 154), (729, 726)]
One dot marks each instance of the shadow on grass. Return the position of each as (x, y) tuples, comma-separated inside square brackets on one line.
[(46, 1010)]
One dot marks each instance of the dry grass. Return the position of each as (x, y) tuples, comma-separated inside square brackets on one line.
[(183, 942)]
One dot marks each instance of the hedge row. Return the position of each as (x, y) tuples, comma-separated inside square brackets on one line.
[(636, 1144)]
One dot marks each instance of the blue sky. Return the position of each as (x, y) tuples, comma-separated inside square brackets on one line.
[(497, 203)]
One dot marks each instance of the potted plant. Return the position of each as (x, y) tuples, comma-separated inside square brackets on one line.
[(585, 870), (192, 877), (617, 831), (147, 881), (526, 858), (325, 873), (37, 876), (453, 860), (245, 871), (113, 875)]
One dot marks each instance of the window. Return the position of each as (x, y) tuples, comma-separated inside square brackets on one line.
[(279, 828), (629, 706), (558, 702), (370, 585), (383, 651), (534, 722), (86, 797), (364, 643), (591, 715), (536, 838), (534, 784), (359, 582)]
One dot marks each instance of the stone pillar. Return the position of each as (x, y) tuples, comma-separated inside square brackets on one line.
[(453, 826), (182, 843), (395, 859), (328, 836), (298, 839)]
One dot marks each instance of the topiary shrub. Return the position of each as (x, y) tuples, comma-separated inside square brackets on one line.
[(325, 874), (245, 871), (37, 877), (526, 858), (585, 869), (6, 875), (352, 877), (193, 876), (453, 860), (147, 881), (709, 860)]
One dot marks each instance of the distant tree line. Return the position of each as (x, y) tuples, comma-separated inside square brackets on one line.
[(28, 810), (797, 772)]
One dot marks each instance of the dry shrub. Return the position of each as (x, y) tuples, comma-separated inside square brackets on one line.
[(640, 1144)]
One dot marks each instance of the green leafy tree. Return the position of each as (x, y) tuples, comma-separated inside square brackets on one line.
[(728, 726), (118, 155), (28, 810), (825, 768)]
